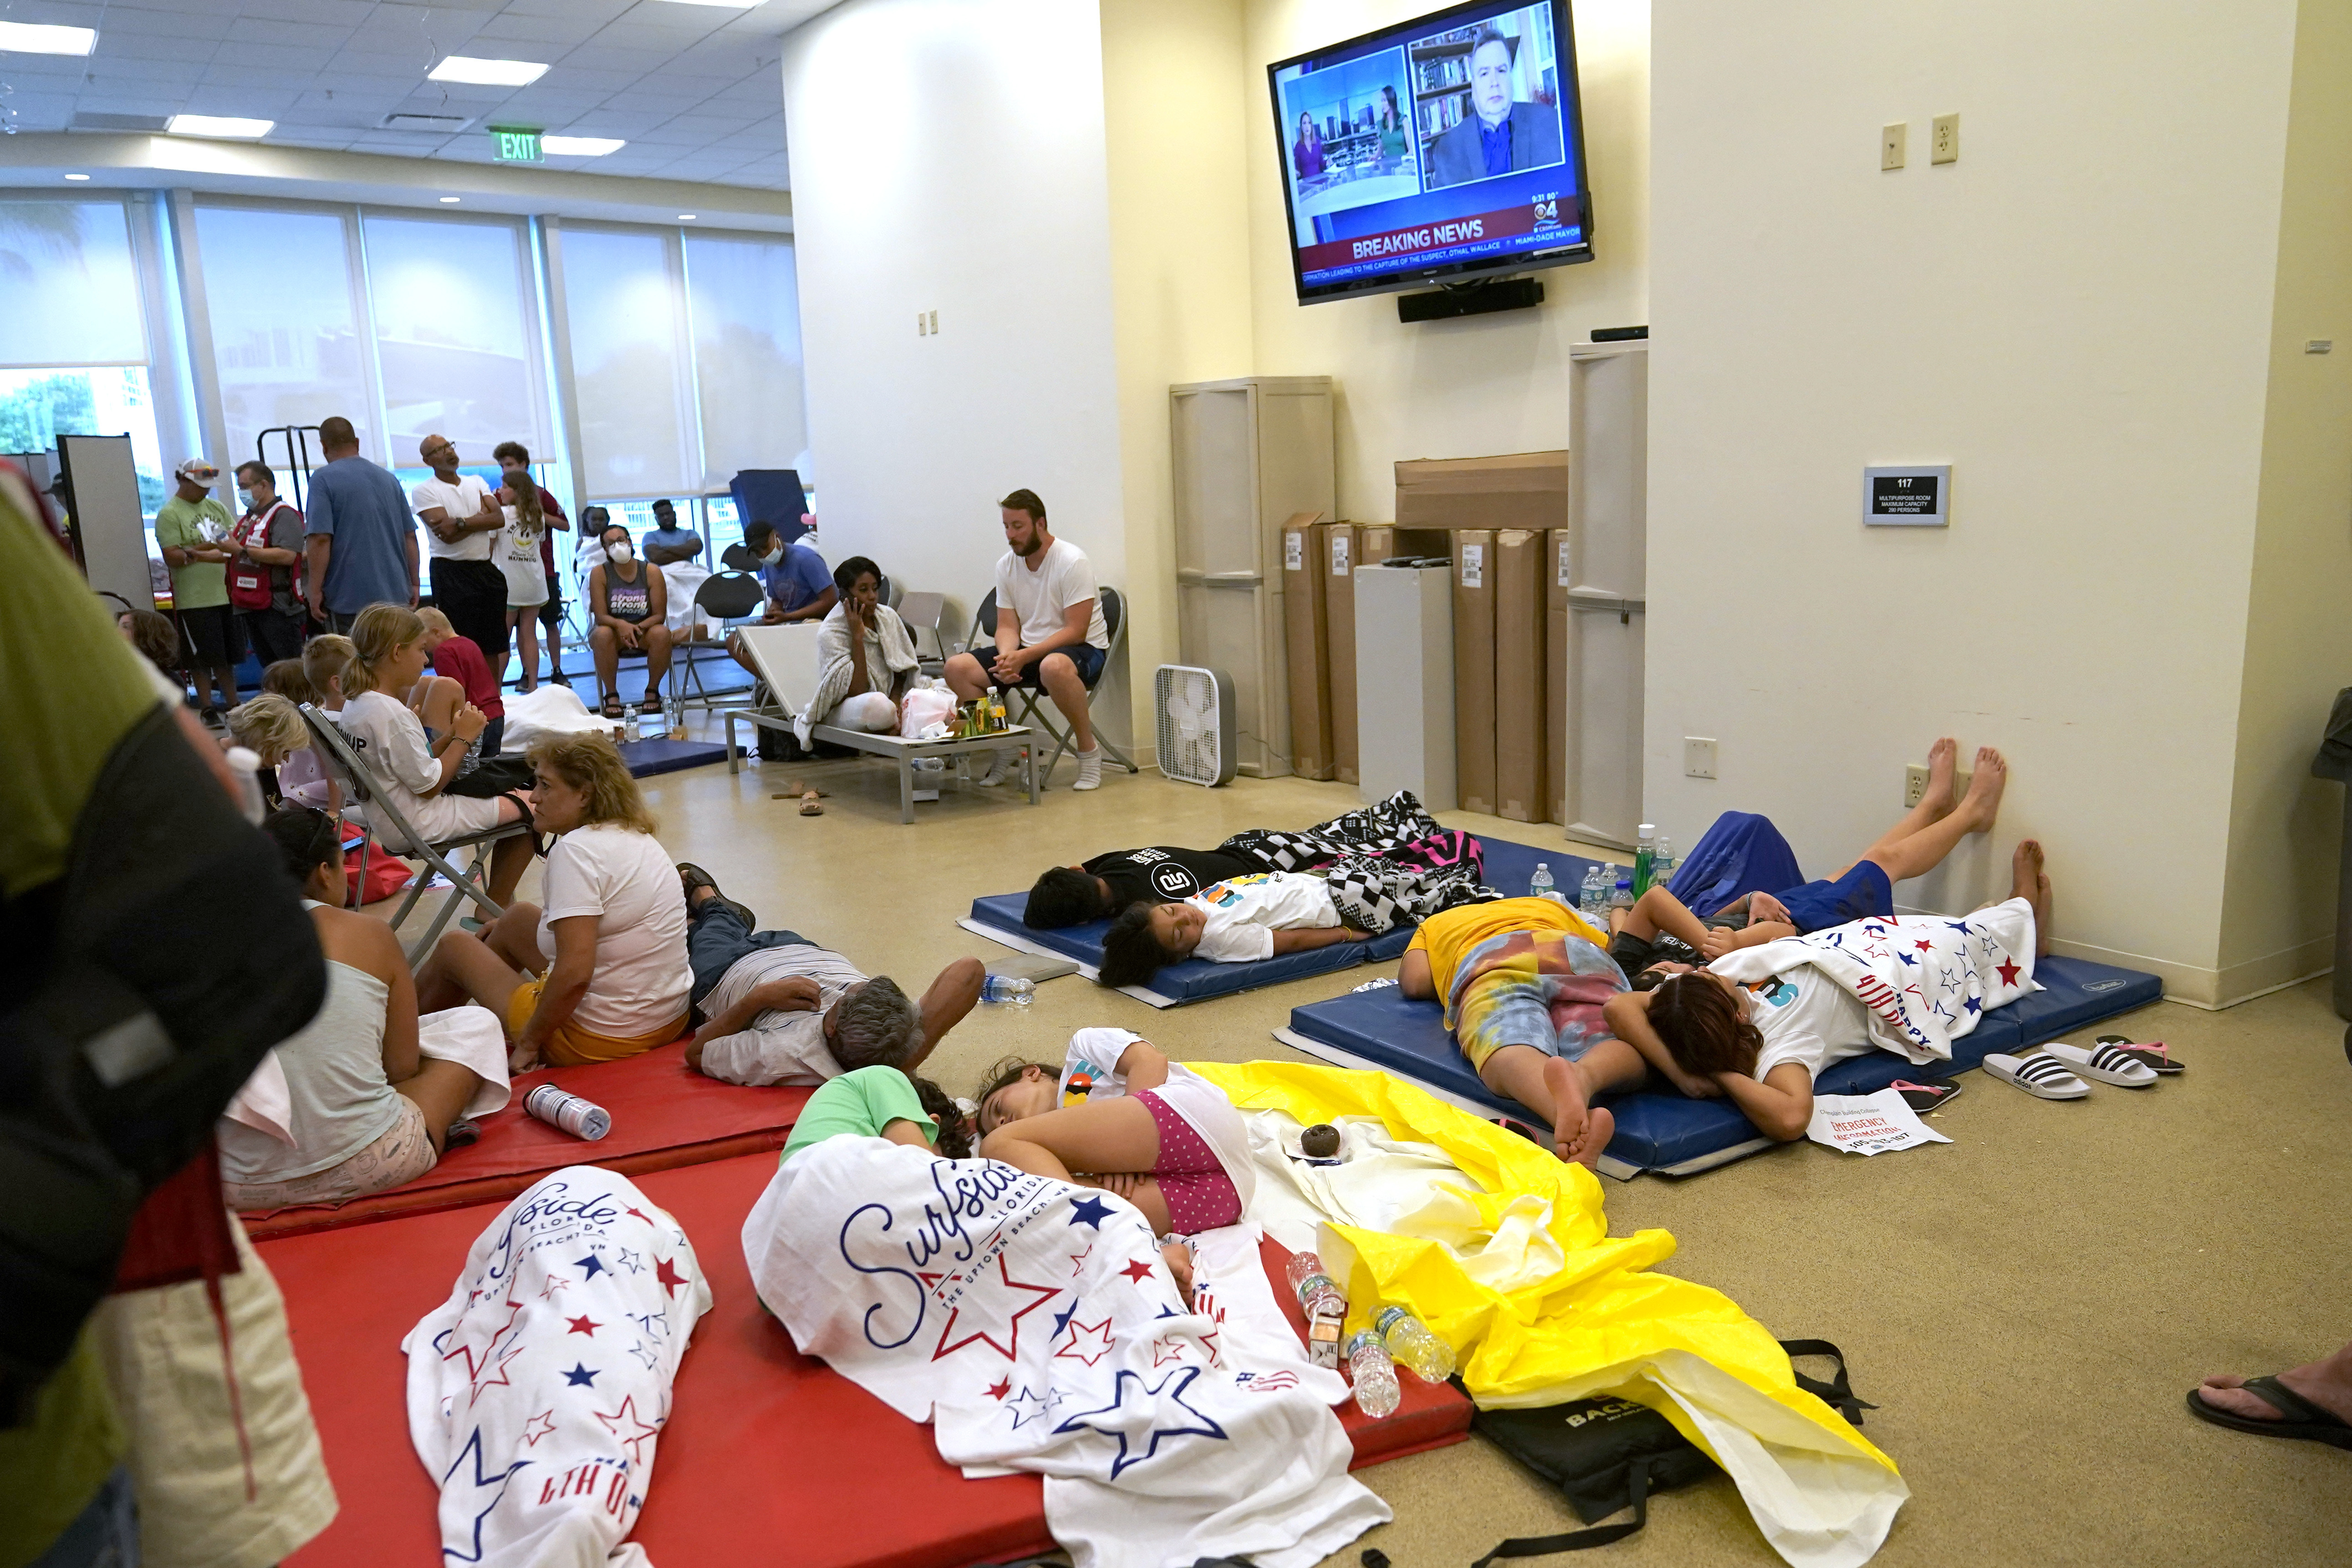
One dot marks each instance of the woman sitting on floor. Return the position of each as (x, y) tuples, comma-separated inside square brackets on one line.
[(415, 749), (1239, 921), (1761, 1044), (601, 973), (861, 692), (367, 1110)]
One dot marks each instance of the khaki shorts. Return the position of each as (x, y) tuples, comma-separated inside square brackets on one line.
[(404, 1153)]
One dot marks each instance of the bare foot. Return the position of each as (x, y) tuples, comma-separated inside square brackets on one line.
[(1942, 757), (2029, 881), (1983, 800), (2041, 915), (1599, 1126), (1566, 1086)]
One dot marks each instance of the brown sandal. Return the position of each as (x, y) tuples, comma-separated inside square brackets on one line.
[(809, 807)]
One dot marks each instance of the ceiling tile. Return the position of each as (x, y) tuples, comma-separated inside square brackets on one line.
[(278, 30), (127, 21)]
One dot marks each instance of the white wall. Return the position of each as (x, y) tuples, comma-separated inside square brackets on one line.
[(950, 156), (2077, 316), (1468, 388)]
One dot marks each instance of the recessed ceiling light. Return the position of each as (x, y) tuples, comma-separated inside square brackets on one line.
[(38, 38), (579, 146), (217, 125), (77, 176), (487, 73), (728, 5), (446, 200), (686, 217)]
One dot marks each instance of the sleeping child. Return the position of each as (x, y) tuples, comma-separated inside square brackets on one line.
[(882, 1102), (1238, 921)]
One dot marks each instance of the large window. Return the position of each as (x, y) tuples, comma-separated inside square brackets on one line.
[(747, 353), (628, 363), (279, 291), (455, 334)]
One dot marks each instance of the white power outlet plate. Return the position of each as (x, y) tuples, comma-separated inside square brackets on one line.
[(1892, 141), (1914, 785), (1698, 757), (1944, 140)]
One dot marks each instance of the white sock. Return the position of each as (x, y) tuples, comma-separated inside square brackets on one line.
[(1090, 768)]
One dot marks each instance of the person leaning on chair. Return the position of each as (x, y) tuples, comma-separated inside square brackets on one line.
[(1050, 633)]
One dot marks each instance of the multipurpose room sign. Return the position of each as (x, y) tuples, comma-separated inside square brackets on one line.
[(1907, 498)]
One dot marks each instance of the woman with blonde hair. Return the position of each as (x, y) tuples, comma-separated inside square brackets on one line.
[(517, 556), (601, 973), (271, 727), (414, 758)]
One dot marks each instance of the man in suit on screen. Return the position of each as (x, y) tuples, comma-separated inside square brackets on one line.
[(1501, 135)]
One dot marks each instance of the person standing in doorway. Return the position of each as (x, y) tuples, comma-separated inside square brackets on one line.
[(514, 465), (360, 538), (193, 530), (1050, 634), (464, 519), (269, 539)]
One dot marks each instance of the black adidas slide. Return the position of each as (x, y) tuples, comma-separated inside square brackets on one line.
[(1923, 1098), (2302, 1420)]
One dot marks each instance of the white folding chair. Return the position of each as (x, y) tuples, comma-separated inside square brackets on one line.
[(360, 789)]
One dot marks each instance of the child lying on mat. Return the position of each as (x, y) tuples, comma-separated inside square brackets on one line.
[(1238, 921), (1761, 1044), (1524, 981), (1659, 926), (882, 1102)]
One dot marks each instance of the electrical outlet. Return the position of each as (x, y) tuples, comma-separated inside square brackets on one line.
[(1892, 140), (1944, 140), (935, 323), (1914, 785), (1698, 757)]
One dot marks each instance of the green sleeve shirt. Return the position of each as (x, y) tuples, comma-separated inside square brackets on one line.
[(859, 1105), (199, 584)]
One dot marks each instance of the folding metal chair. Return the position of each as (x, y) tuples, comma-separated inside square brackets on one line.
[(1035, 708), (729, 599), (360, 788)]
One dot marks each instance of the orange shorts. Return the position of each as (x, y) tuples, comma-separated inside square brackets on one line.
[(570, 1045)]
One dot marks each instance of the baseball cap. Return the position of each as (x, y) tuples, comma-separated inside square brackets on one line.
[(199, 471)]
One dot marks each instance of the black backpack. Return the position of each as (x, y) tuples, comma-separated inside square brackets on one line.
[(1609, 1455)]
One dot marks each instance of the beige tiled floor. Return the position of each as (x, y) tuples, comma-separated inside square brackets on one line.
[(2026, 1306)]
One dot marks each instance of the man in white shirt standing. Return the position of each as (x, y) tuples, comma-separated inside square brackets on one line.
[(463, 518), (1050, 634)]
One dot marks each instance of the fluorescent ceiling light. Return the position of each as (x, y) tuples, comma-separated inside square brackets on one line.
[(487, 73), (445, 200), (36, 38), (579, 146), (217, 125), (686, 217), (77, 176)]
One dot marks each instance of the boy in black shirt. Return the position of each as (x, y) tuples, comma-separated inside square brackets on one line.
[(1073, 894)]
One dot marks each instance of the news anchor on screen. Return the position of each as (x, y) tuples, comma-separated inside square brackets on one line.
[(1502, 135), (1307, 152)]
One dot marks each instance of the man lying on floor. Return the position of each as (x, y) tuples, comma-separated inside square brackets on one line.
[(1758, 1026), (777, 1008), (1098, 888)]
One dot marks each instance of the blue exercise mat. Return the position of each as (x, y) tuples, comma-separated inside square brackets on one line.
[(1666, 1132), (1508, 867)]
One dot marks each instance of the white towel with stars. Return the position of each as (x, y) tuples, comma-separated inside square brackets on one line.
[(538, 1392), (1036, 1325)]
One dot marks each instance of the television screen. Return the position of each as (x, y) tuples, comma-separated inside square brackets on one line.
[(1439, 150)]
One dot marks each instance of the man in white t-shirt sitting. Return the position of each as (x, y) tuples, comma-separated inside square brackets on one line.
[(1050, 634), (462, 517)]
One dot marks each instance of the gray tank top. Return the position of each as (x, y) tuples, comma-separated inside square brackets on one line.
[(334, 1077)]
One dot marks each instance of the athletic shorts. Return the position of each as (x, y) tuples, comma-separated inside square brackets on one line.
[(1862, 893), (1199, 1194), (570, 1045), (1086, 656), (211, 637), (1544, 989)]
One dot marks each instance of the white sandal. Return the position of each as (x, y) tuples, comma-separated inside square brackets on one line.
[(2037, 1075), (2106, 1064)]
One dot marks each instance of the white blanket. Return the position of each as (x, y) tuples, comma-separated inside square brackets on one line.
[(538, 1392), (468, 1036), (1036, 1325), (552, 710), (1925, 979)]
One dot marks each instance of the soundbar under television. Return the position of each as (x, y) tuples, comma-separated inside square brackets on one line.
[(1445, 150)]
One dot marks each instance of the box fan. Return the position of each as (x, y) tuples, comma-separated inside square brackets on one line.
[(1195, 710)]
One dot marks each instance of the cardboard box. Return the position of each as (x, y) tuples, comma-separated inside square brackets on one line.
[(1528, 491), (1338, 543), (1305, 631), (1521, 775), (1474, 668), (1558, 567)]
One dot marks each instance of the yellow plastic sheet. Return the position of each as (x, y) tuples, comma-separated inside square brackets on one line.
[(1600, 1324)]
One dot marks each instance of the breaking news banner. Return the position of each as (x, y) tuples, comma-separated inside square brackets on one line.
[(1454, 239)]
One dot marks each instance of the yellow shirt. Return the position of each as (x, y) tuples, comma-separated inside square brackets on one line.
[(1450, 934)]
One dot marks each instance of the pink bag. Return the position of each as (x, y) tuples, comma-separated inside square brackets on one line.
[(924, 707)]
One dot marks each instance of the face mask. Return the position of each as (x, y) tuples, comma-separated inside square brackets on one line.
[(622, 551), (772, 556)]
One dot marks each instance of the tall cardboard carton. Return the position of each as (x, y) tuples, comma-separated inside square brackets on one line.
[(1306, 623), (1474, 668), (1521, 776)]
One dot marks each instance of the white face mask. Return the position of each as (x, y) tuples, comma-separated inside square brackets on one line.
[(622, 551), (772, 556)]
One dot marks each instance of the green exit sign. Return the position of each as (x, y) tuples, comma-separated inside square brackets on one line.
[(512, 145)]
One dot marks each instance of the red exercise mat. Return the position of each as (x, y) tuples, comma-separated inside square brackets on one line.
[(664, 1114), (769, 1458)]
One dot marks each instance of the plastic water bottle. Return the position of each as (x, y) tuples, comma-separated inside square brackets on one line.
[(1662, 863), (1645, 854), (1539, 885), (1595, 897), (558, 1108), (1408, 1340), (1374, 1375), (1017, 989), (1621, 896), (1325, 1306), (244, 766)]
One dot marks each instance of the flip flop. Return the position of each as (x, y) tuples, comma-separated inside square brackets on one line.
[(2105, 1064), (809, 807), (2151, 1052), (2037, 1075), (1924, 1098), (2303, 1419)]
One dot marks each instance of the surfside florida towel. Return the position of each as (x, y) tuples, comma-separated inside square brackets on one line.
[(1925, 979), (1035, 1326), (538, 1392)]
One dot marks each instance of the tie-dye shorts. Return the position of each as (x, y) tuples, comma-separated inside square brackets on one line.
[(1544, 989)]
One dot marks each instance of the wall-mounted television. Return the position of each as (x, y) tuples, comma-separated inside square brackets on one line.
[(1445, 150)]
